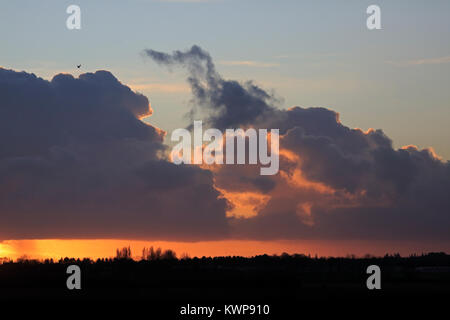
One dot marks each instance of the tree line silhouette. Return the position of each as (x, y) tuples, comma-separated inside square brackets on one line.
[(160, 275)]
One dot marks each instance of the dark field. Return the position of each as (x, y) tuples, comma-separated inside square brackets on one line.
[(288, 284)]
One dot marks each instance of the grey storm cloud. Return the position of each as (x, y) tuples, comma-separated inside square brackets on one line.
[(376, 191), (372, 191), (76, 161), (228, 103)]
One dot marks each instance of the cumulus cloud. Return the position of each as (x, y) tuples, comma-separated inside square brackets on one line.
[(334, 182), (342, 183), (77, 161), (227, 103)]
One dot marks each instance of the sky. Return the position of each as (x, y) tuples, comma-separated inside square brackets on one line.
[(303, 53)]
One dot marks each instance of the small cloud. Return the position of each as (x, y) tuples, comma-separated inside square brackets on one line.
[(249, 63), (160, 87), (417, 62)]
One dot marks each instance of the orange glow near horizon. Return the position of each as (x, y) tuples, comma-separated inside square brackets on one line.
[(101, 248), (245, 204)]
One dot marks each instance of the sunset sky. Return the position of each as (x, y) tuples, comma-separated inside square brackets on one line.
[(363, 118)]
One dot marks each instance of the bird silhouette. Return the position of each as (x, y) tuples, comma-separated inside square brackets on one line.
[(79, 66)]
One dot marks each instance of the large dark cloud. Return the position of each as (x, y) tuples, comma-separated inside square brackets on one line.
[(77, 161), (374, 191), (37, 114), (228, 103), (335, 182)]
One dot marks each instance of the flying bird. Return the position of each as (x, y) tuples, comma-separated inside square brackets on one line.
[(79, 66)]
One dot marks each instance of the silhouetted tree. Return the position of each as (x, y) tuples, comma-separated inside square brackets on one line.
[(152, 255), (169, 255), (185, 256), (124, 253)]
